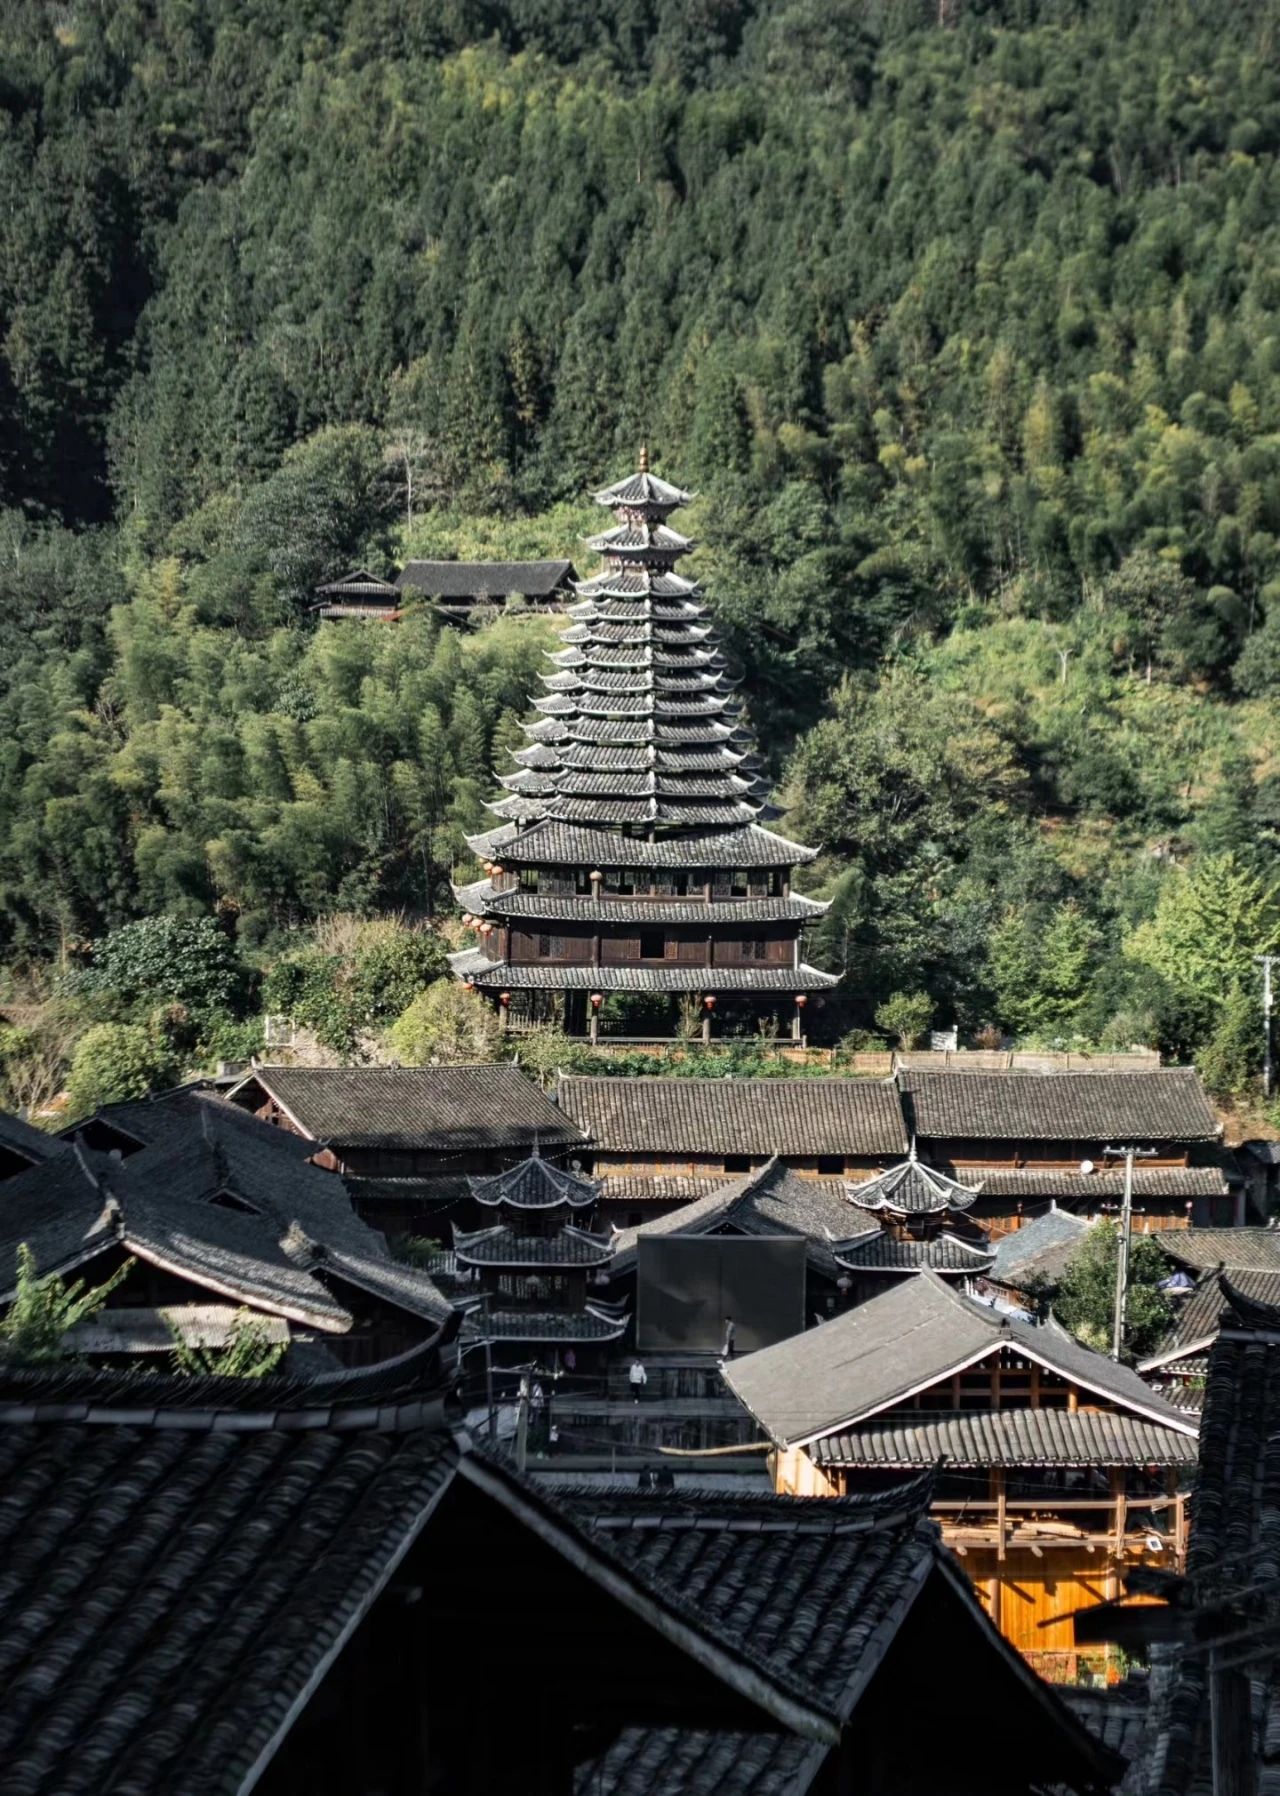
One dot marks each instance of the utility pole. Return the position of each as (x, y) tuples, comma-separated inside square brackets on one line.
[(1265, 961), (1126, 1230)]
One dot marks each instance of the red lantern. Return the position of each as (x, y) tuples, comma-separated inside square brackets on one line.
[(487, 865), (709, 1002), (496, 870), (597, 999), (469, 985), (504, 998), (801, 1000)]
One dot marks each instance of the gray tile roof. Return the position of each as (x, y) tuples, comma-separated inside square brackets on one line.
[(1094, 1189), (1039, 1250), (550, 1326), (878, 1251), (438, 1108), (481, 898), (20, 1138), (1235, 1524), (222, 1200), (1239, 1250), (1198, 1315), (913, 1189), (360, 581), (1011, 1437), (668, 976), (151, 1329), (917, 1332), (667, 1188), (1106, 1108), (535, 1184), (771, 1201), (566, 844), (706, 1118), (503, 1247), (493, 579)]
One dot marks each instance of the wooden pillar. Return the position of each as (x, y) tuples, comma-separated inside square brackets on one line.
[(1120, 1512), (998, 1481)]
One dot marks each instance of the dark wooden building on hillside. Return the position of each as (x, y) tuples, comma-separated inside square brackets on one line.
[(630, 862), (292, 1589), (1061, 1468), (1033, 1138), (644, 1133), (467, 590), (358, 594)]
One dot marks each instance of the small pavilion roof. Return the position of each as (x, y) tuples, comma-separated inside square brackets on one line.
[(535, 1184), (502, 1246), (947, 1254), (358, 583), (912, 1189)]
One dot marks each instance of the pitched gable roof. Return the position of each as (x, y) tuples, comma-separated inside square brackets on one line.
[(1167, 1105), (26, 1142), (855, 1118), (902, 1341), (491, 579), (771, 1201), (435, 1108)]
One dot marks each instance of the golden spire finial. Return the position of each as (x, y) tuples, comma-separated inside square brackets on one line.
[(644, 458)]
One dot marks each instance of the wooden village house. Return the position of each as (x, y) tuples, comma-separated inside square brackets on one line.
[(1061, 1468), (1036, 1138), (217, 1217), (629, 885), (463, 591)]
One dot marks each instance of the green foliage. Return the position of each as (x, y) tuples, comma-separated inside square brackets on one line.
[(168, 960), (1085, 1301), (116, 1061), (1208, 924), (248, 1354), (544, 1053), (905, 1016), (1040, 968), (445, 1025), (43, 1310), (354, 979), (1230, 1059)]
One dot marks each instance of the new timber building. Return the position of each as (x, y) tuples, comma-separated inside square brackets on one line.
[(629, 862)]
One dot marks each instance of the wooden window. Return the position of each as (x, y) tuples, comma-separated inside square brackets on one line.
[(544, 947), (830, 1163), (528, 879), (755, 948), (653, 944), (582, 882), (738, 882), (737, 1163)]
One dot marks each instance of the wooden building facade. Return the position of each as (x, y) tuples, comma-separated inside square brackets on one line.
[(1060, 1468)]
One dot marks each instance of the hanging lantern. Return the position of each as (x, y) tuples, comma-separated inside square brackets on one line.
[(487, 865), (801, 1000), (504, 998), (597, 999), (468, 985), (496, 870), (709, 1001), (467, 919), (595, 875)]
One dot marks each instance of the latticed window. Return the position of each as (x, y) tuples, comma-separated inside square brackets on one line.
[(528, 879)]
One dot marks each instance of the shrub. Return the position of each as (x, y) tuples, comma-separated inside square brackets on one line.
[(445, 1025), (905, 1016), (168, 959), (115, 1061)]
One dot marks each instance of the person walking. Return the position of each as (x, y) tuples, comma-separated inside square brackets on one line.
[(730, 1336), (638, 1378)]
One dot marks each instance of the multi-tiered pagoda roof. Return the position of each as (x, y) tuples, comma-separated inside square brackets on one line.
[(639, 759)]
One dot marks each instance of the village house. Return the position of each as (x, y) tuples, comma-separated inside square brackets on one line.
[(293, 1590), (629, 886), (1036, 1138), (1250, 1258), (409, 1122), (22, 1146), (218, 1217), (1060, 1467), (644, 1133), (464, 590), (357, 594)]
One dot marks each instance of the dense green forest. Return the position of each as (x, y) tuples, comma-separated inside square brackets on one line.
[(962, 317)]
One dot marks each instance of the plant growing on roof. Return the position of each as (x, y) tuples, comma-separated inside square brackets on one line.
[(248, 1353), (44, 1309)]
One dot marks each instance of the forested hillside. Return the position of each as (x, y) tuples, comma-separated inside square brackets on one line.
[(963, 318)]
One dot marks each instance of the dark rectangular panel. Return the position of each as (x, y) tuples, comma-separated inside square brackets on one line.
[(686, 1286)]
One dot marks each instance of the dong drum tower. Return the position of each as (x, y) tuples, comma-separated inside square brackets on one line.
[(630, 886)]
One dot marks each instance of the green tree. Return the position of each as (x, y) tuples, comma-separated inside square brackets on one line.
[(1085, 1301), (113, 1062), (905, 1016), (1229, 1060), (445, 1025), (170, 960), (1209, 923), (43, 1310)]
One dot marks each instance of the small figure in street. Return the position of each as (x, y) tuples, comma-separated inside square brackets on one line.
[(638, 1379), (730, 1335)]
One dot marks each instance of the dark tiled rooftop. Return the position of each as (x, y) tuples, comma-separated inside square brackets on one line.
[(1107, 1108), (706, 1118)]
